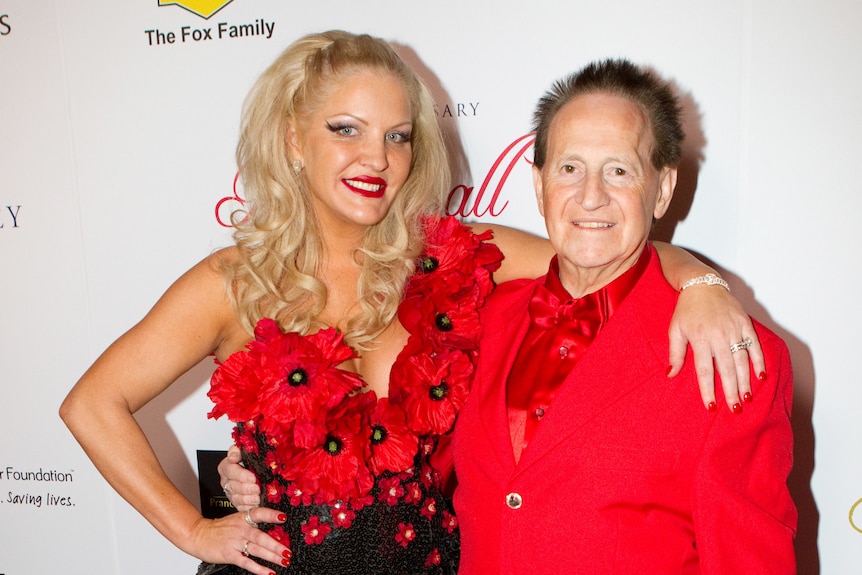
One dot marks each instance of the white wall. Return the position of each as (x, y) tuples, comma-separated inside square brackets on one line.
[(117, 152)]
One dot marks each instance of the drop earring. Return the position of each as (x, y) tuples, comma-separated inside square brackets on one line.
[(297, 167)]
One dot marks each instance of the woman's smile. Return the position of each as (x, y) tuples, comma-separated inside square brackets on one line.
[(366, 186)]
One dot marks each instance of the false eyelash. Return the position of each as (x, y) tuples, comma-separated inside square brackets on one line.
[(337, 127)]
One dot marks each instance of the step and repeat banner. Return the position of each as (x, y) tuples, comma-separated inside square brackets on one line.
[(118, 123)]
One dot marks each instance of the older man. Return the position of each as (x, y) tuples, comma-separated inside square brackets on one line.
[(575, 453)]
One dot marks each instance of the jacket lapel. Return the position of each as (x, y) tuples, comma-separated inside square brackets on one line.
[(503, 336), (631, 350)]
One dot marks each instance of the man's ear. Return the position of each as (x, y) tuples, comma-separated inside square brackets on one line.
[(537, 186), (666, 186)]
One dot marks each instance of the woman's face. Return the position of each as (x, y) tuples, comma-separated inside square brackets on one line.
[(355, 150)]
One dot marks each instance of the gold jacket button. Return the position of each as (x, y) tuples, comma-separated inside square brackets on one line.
[(514, 500)]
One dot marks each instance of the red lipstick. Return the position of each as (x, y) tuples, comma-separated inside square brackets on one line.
[(366, 186)]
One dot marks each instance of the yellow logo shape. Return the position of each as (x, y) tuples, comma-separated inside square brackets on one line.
[(856, 516), (203, 8)]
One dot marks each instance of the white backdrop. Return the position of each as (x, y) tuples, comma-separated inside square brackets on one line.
[(116, 145)]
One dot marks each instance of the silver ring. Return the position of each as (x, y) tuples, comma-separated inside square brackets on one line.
[(744, 344), (245, 549), (225, 488), (248, 518)]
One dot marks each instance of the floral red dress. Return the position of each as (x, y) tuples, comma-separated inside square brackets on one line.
[(354, 473)]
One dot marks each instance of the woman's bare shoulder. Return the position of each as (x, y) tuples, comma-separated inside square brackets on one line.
[(191, 320), (199, 302), (526, 254)]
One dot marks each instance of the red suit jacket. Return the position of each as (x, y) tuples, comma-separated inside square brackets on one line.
[(628, 472)]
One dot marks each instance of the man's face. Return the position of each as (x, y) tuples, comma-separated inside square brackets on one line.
[(598, 190)]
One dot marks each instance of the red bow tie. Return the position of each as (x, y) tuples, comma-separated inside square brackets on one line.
[(548, 311)]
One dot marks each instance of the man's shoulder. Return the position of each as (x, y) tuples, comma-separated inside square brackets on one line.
[(512, 290), (771, 342), (508, 299)]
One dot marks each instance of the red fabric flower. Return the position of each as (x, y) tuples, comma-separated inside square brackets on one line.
[(335, 468), (442, 320), (406, 473), (274, 491), (391, 491), (275, 465), (315, 531), (298, 497), (429, 508), (234, 389), (393, 444), (428, 446), (301, 374), (450, 522), (283, 376), (302, 433), (434, 558), (360, 502), (412, 492), (244, 438), (431, 389), (455, 256), (405, 534), (342, 516), (429, 476), (452, 281)]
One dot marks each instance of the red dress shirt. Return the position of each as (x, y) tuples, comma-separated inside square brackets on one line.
[(561, 330)]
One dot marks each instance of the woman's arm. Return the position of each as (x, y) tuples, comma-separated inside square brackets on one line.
[(706, 317), (710, 320), (525, 255), (188, 323)]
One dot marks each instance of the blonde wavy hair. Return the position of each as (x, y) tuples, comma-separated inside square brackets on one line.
[(278, 236)]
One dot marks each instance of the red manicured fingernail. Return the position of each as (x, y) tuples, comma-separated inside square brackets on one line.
[(737, 408), (761, 376), (711, 406), (669, 369), (746, 397), (285, 562), (282, 517), (287, 554)]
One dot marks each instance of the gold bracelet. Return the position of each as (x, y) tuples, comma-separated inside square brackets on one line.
[(708, 279)]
